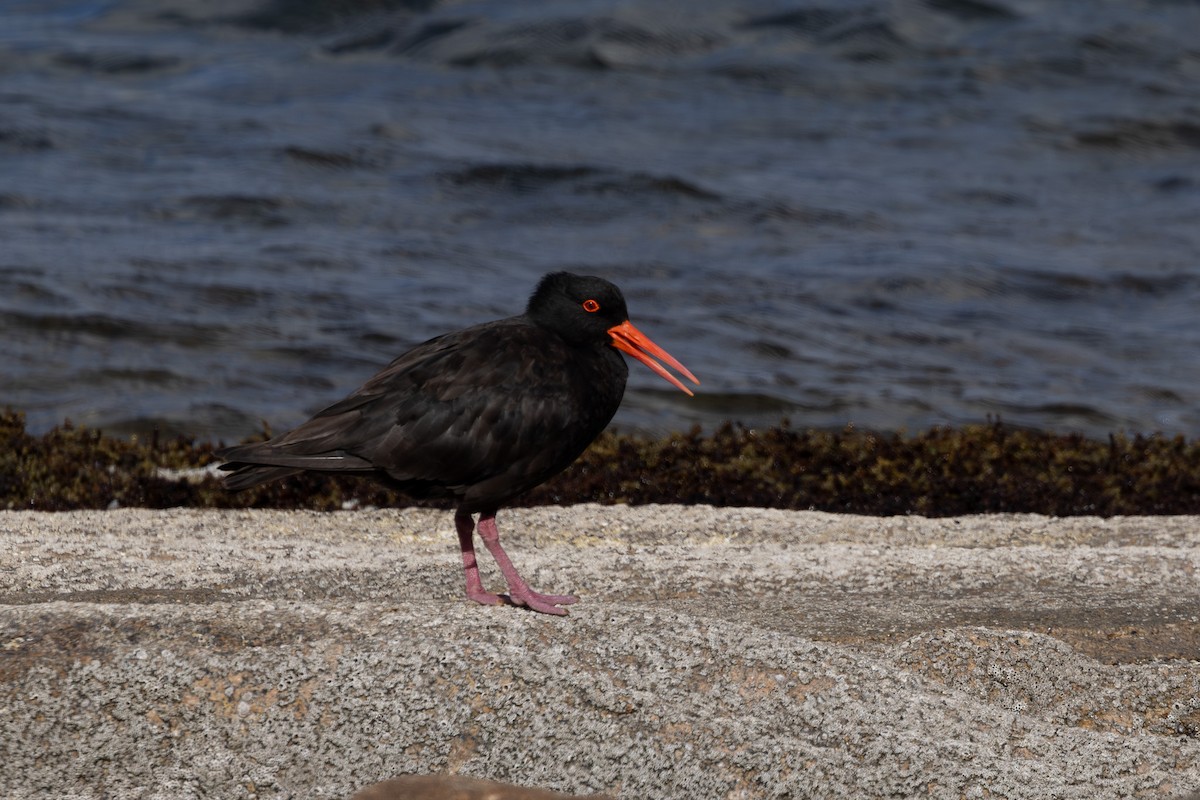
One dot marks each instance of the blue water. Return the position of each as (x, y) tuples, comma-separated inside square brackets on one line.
[(886, 214)]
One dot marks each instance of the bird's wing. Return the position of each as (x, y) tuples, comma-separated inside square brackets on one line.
[(455, 410)]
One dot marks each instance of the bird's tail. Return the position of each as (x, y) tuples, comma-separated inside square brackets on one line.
[(254, 464), (250, 465), (243, 476)]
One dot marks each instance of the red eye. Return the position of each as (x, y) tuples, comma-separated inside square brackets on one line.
[(591, 306)]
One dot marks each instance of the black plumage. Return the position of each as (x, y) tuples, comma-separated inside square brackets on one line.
[(479, 415)]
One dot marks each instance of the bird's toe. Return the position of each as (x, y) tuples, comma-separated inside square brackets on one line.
[(544, 603), (485, 598)]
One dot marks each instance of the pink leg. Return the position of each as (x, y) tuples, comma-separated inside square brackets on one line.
[(466, 540), (519, 592)]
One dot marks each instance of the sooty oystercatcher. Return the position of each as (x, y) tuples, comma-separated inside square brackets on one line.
[(480, 415)]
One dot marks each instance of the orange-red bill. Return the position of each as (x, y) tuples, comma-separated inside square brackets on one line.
[(629, 339)]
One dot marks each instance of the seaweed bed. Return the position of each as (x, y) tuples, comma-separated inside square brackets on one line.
[(940, 472)]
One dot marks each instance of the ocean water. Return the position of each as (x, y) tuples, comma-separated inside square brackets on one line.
[(891, 214)]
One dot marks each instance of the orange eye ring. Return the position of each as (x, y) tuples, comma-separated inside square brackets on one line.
[(591, 306)]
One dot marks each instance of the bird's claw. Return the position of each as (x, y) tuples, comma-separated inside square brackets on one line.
[(485, 598), (543, 603), (534, 601)]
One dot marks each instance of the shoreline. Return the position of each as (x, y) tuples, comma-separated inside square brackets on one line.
[(941, 472), (198, 652)]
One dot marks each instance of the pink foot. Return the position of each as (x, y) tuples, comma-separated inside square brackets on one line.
[(545, 603), (485, 598)]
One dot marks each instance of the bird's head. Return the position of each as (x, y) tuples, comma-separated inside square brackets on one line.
[(583, 309)]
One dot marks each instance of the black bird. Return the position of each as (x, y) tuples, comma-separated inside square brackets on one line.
[(480, 415)]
